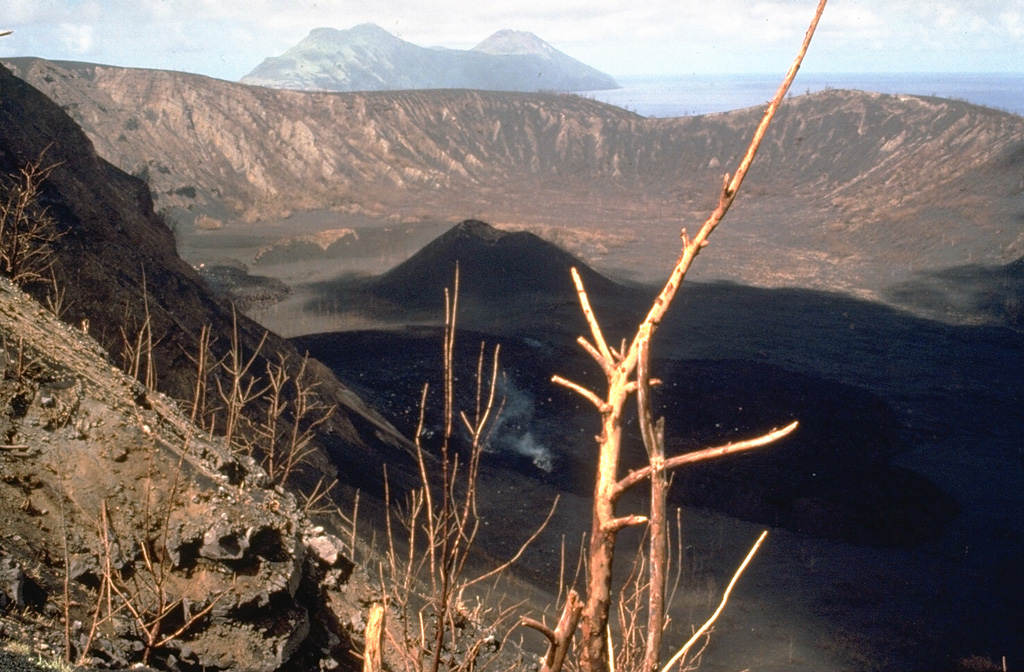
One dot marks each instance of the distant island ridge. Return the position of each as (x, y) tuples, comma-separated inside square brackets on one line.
[(686, 95), (369, 58)]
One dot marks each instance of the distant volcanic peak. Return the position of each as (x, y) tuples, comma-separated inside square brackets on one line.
[(370, 30), (324, 34), (369, 58), (515, 42), (332, 40), (471, 240), (362, 31), (472, 234)]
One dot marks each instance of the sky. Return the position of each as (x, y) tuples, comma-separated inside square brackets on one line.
[(228, 38)]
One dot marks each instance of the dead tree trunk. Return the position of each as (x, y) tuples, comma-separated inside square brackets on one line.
[(619, 368)]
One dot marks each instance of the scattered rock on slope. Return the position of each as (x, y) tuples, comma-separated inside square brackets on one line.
[(187, 525)]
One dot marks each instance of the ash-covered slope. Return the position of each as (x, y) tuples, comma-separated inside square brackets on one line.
[(228, 150), (369, 58)]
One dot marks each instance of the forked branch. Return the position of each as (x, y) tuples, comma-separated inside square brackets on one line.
[(559, 639), (638, 475), (601, 353), (582, 391)]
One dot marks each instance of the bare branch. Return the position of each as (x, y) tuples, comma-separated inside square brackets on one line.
[(654, 441), (634, 477), (652, 444), (593, 352), (522, 549), (376, 624), (28, 232), (534, 624), (730, 188), (632, 387), (560, 638), (616, 524), (725, 598), (584, 392), (595, 328)]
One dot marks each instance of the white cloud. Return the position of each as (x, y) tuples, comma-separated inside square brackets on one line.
[(76, 38), (19, 12), (1013, 23)]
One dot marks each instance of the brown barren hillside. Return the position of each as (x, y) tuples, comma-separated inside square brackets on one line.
[(921, 182)]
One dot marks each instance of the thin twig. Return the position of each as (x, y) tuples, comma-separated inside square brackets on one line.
[(522, 549), (721, 606)]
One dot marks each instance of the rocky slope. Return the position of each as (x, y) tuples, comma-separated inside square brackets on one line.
[(193, 523), (369, 58), (104, 480), (851, 190)]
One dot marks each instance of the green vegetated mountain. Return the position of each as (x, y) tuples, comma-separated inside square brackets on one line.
[(369, 58), (851, 191)]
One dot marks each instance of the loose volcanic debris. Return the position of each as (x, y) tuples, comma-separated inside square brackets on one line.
[(190, 528)]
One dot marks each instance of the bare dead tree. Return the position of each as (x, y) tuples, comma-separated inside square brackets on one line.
[(28, 231), (287, 445), (428, 585), (240, 388), (627, 371)]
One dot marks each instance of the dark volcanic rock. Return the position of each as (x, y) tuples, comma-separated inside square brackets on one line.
[(181, 538), (973, 293), (833, 478), (495, 267)]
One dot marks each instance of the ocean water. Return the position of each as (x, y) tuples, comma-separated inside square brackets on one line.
[(682, 96)]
